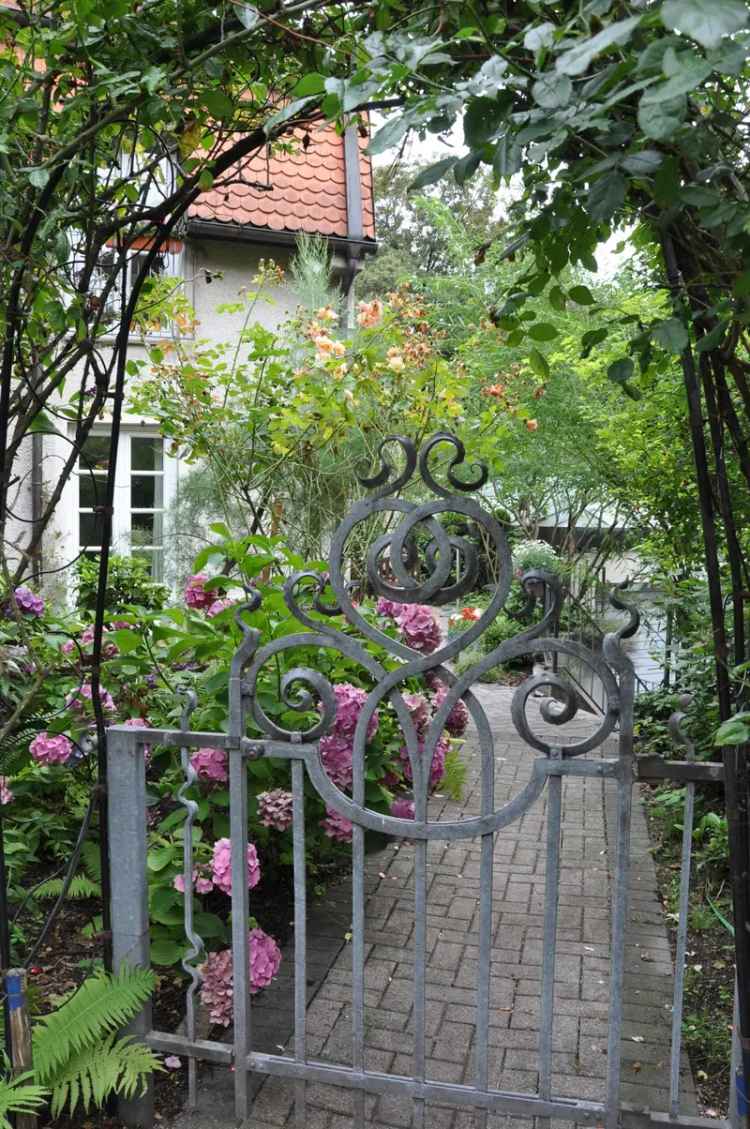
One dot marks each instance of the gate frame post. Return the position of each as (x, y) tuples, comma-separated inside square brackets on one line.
[(126, 784)]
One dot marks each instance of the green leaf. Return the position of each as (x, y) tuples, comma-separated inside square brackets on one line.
[(734, 731), (582, 295), (576, 60), (689, 72), (711, 340), (507, 157), (482, 117), (312, 83), (126, 640), (39, 177), (643, 163), (591, 338), (164, 951), (543, 35), (659, 120), (205, 181), (389, 134), (671, 335), (705, 21), (552, 91), (285, 114), (432, 173), (466, 167), (619, 372), (539, 364), (606, 196), (557, 299), (542, 331), (218, 104)]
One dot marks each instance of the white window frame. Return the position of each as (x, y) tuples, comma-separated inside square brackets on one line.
[(122, 531)]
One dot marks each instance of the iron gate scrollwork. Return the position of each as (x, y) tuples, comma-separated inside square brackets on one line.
[(417, 560)]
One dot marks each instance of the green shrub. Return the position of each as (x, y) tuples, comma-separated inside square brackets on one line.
[(128, 583)]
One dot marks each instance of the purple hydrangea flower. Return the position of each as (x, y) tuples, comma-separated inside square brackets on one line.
[(28, 602), (458, 718), (5, 793), (211, 765), (217, 989), (437, 768), (336, 826), (196, 595), (275, 809), (402, 808), (80, 698), (222, 866), (51, 748), (420, 629)]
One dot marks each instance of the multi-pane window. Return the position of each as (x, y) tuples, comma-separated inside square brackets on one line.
[(140, 496)]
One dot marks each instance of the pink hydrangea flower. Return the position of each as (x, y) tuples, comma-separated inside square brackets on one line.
[(275, 809), (349, 703), (5, 793), (402, 808), (139, 723), (219, 606), (458, 718), (196, 595), (172, 1062), (337, 826), (336, 755), (419, 626), (51, 749), (202, 884), (217, 990), (437, 768), (419, 708), (211, 765), (221, 866), (28, 602), (78, 699), (386, 607)]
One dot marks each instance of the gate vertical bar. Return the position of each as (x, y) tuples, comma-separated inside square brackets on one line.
[(680, 951), (621, 892), (300, 936), (551, 903), (126, 784), (240, 942), (486, 875), (358, 925)]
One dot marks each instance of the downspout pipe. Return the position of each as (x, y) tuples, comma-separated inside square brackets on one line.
[(354, 214)]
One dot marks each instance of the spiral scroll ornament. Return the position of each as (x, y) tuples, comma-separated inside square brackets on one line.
[(414, 563)]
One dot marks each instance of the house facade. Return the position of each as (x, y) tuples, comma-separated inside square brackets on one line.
[(323, 187)]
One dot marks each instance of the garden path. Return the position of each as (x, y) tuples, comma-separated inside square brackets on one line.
[(582, 973)]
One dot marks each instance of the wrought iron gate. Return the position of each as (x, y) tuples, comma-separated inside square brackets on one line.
[(416, 560)]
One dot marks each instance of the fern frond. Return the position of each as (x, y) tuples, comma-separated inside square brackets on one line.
[(80, 887), (92, 860), (102, 1005), (112, 1066), (19, 1095)]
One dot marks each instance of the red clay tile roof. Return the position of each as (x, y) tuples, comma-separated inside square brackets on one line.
[(307, 190)]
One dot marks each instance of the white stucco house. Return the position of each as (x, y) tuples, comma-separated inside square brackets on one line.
[(323, 188)]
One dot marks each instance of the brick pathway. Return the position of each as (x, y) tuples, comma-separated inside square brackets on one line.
[(581, 1004)]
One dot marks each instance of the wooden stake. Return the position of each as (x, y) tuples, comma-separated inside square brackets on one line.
[(20, 1026)]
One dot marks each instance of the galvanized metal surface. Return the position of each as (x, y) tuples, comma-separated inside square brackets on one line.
[(445, 572)]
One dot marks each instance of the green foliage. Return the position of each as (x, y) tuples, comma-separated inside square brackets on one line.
[(100, 1007), (128, 583), (454, 780), (94, 1073), (19, 1095)]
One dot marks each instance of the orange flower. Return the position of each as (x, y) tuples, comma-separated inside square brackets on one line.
[(369, 313), (496, 390), (532, 425), (471, 613)]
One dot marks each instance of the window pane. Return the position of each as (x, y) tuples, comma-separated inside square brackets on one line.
[(91, 489), (95, 453), (145, 529), (90, 529), (146, 454), (146, 491), (155, 559)]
